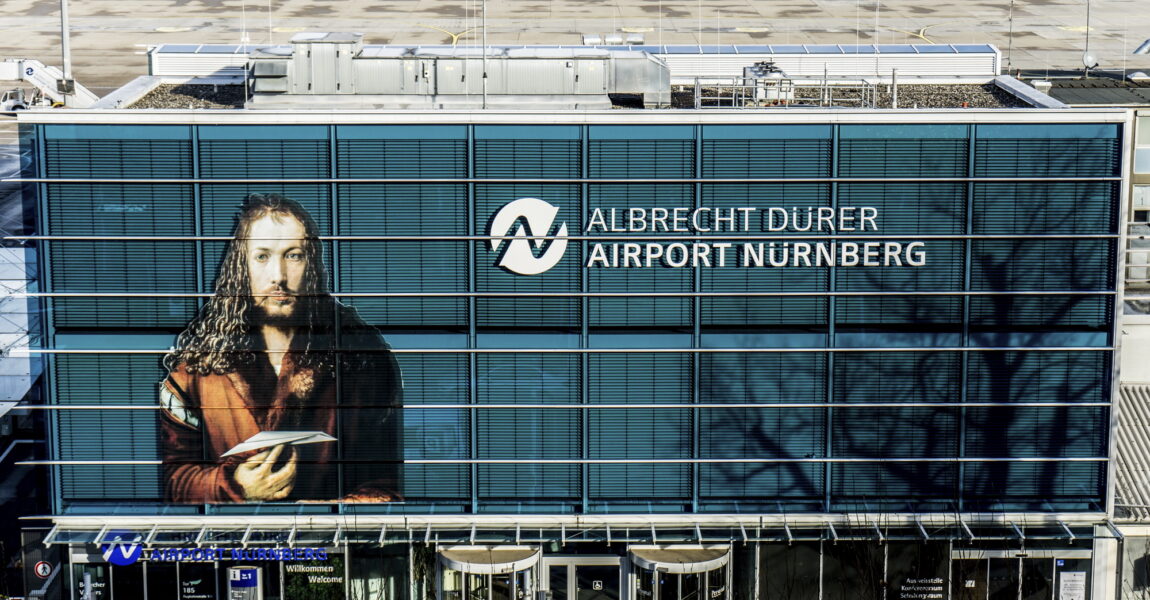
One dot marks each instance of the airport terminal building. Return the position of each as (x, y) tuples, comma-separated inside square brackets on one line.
[(606, 355)]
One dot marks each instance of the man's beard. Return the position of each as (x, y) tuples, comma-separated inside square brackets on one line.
[(297, 317)]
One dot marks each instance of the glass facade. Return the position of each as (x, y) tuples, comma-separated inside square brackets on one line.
[(732, 356)]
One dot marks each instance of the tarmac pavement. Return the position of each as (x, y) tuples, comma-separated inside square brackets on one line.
[(109, 36)]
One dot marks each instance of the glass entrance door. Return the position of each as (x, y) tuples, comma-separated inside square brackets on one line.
[(596, 582), (582, 577)]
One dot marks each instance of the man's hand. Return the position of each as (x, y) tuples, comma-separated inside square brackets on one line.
[(259, 479)]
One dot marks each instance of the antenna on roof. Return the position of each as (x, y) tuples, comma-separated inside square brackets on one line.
[(244, 38), (65, 49), (484, 53), (1089, 61), (1009, 35), (270, 22)]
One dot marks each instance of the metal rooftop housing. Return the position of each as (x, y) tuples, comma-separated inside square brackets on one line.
[(810, 49)]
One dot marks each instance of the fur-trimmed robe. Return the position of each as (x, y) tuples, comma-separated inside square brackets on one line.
[(204, 416)]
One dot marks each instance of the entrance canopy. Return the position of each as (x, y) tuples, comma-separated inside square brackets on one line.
[(680, 558), (484, 560)]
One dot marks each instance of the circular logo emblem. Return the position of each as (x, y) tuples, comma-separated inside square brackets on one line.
[(42, 570), (521, 229), (124, 550)]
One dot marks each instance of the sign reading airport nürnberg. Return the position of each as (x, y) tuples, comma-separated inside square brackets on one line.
[(525, 226)]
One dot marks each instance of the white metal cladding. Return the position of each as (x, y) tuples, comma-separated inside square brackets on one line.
[(197, 65), (1133, 456)]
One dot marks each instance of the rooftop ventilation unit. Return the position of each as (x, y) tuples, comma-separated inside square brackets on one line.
[(335, 69)]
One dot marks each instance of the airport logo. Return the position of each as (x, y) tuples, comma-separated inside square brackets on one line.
[(122, 552), (535, 230)]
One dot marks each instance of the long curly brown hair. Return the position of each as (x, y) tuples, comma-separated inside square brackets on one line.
[(224, 335)]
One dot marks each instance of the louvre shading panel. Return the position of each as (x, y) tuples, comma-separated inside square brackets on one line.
[(93, 267), (635, 434), (883, 482), (749, 377), (1037, 431), (1034, 486), (911, 154), (117, 152), (640, 151), (278, 159), (403, 209), (527, 158), (106, 483), (663, 433), (1037, 208), (401, 158), (1048, 376), (238, 152), (1005, 312), (1046, 150), (159, 209), (521, 151), (406, 267), (528, 482), (766, 151), (907, 208), (641, 159), (639, 481), (639, 378), (766, 158), (861, 431), (736, 310), (1042, 265), (436, 434), (222, 203), (528, 433), (113, 380), (214, 254), (435, 378), (926, 312), (113, 266), (762, 433), (861, 377), (436, 483), (762, 481), (763, 311)]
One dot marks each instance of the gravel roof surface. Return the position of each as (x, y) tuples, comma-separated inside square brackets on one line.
[(192, 96)]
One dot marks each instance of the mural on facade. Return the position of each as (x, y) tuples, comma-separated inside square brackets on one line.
[(276, 391)]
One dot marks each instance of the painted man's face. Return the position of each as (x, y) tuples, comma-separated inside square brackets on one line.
[(276, 264)]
